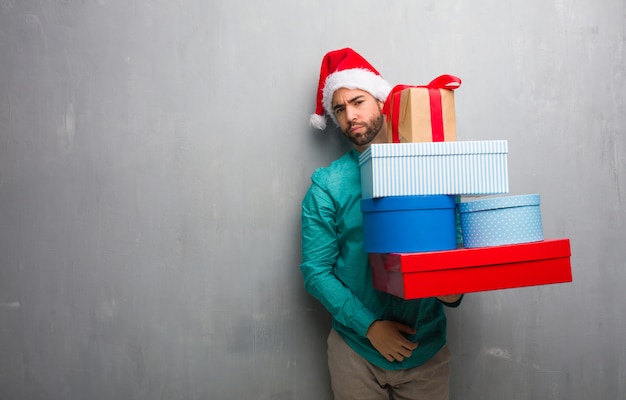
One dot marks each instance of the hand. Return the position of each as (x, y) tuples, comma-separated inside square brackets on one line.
[(387, 337), (452, 298)]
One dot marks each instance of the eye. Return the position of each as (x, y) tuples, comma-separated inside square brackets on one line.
[(339, 110)]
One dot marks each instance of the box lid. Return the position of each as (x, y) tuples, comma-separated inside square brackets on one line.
[(468, 258), (434, 149), (499, 202), (392, 203)]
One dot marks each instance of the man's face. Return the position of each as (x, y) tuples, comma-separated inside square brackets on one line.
[(359, 116)]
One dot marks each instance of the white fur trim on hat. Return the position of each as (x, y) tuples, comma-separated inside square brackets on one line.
[(355, 78)]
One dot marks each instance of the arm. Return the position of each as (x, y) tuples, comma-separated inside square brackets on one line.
[(320, 252), (320, 257)]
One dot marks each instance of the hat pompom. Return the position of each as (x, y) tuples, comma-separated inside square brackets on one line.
[(318, 121)]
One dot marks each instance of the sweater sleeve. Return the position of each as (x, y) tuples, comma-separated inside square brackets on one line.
[(453, 305), (320, 252)]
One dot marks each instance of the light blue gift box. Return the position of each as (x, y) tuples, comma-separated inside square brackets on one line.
[(501, 220), (440, 168)]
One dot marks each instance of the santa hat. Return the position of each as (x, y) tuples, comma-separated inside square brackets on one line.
[(345, 68)]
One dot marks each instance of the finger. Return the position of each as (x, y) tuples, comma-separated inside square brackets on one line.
[(406, 344), (410, 345), (406, 353), (405, 328)]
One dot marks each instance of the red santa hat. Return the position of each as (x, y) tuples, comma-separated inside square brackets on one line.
[(345, 68)]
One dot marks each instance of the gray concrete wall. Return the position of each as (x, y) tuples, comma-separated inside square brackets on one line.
[(153, 155)]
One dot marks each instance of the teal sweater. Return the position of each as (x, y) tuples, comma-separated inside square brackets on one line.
[(336, 269)]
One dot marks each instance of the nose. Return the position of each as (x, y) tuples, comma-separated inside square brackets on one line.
[(351, 114)]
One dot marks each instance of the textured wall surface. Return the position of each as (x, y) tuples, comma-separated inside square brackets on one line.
[(153, 156)]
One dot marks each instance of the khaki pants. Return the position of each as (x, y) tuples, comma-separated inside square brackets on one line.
[(353, 378)]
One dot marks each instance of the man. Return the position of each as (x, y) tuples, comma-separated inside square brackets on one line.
[(380, 346)]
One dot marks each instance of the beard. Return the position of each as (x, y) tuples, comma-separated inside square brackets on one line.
[(372, 128)]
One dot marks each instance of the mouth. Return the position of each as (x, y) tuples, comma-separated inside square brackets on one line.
[(354, 128)]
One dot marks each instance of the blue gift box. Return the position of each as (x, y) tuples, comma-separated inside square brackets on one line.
[(501, 220), (409, 224)]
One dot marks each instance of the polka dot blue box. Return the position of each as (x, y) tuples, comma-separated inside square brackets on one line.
[(407, 224), (501, 220)]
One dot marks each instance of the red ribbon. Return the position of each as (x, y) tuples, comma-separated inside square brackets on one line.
[(448, 82)]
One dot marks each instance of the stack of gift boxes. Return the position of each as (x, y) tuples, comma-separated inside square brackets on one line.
[(414, 213)]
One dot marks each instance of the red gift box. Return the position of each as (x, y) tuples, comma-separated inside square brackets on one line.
[(440, 273)]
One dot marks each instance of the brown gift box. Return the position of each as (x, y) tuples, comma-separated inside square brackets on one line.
[(424, 113)]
